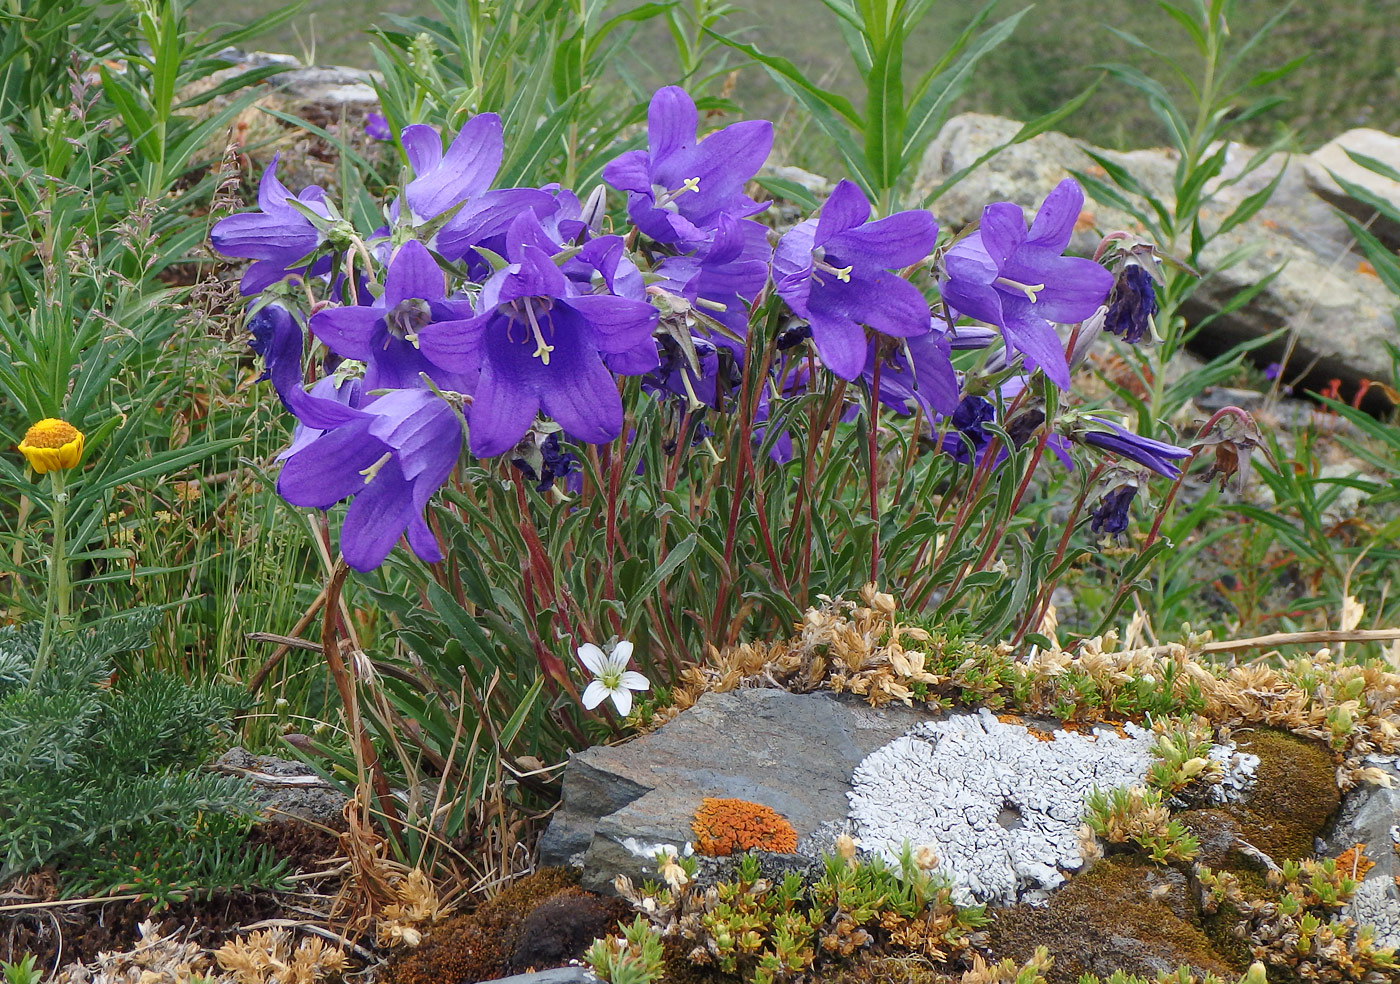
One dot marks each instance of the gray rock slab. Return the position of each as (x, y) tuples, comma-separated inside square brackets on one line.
[(1370, 815), (794, 753), (559, 975), (1342, 316), (285, 789)]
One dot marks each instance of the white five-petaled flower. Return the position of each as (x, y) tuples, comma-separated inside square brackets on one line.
[(611, 676)]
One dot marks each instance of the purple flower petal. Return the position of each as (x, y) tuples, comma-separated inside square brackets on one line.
[(328, 469), (413, 274), (894, 242), (846, 209), (1054, 222), (500, 414), (376, 519)]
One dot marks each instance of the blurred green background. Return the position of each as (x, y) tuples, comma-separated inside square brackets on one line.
[(1351, 78)]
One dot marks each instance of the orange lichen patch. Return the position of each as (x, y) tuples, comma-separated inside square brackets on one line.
[(1084, 222), (1366, 269), (723, 826), (1009, 719), (1354, 863), (1039, 735)]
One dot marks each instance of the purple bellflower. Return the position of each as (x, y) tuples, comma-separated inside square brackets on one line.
[(920, 377), (460, 178), (383, 334), (679, 187), (279, 339), (834, 271), (1020, 282), (377, 127), (1110, 515), (1159, 456), (389, 461), (722, 277), (1131, 305), (539, 342), (277, 236)]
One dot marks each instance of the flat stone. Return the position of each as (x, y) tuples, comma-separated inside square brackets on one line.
[(284, 789), (1331, 159), (794, 753)]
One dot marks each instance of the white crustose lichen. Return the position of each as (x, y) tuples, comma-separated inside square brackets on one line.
[(999, 806)]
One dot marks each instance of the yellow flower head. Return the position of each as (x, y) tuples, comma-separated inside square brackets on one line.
[(52, 445)]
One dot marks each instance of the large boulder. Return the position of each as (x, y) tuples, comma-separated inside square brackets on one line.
[(1340, 313)]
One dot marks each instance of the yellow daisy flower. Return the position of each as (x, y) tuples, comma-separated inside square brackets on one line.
[(52, 445)]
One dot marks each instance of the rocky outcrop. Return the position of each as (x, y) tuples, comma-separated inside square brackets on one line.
[(1327, 296), (795, 753)]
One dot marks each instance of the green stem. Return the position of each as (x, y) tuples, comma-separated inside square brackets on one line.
[(56, 599)]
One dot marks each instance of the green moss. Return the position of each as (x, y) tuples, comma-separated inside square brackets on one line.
[(1294, 797), (1123, 912)]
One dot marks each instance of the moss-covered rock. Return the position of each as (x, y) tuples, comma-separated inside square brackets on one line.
[(1296, 793), (1124, 913)]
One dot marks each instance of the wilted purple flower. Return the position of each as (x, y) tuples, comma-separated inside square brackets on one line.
[(1108, 436), (675, 376), (678, 188), (834, 271), (1131, 304), (549, 462), (968, 438), (539, 343), (383, 335), (1018, 281), (723, 275), (1110, 515), (390, 461), (277, 236), (377, 127)]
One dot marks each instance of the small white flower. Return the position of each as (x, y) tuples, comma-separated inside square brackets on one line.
[(611, 676)]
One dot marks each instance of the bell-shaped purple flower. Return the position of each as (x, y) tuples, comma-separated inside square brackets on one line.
[(277, 236), (278, 338), (539, 343), (920, 376), (383, 334), (835, 272), (1020, 282), (1105, 435), (389, 462), (679, 187), (461, 179), (724, 275), (377, 127)]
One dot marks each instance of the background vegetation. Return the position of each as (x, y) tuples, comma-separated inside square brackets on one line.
[(1351, 77)]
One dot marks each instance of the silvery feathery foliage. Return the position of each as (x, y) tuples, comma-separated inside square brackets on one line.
[(84, 761), (1000, 807)]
